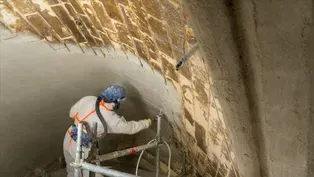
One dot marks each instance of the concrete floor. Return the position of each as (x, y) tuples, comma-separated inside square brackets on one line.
[(39, 85)]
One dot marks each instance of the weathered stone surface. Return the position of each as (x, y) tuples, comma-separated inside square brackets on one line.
[(56, 24), (157, 28), (169, 69), (112, 9), (156, 67), (63, 15), (141, 49), (123, 34), (124, 2), (105, 38), (89, 25), (200, 135), (52, 2), (152, 7), (140, 15), (164, 46), (102, 15), (188, 116), (25, 7), (174, 17), (151, 47), (89, 12), (131, 22), (42, 27)]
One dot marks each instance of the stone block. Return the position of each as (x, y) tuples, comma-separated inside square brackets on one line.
[(53, 2), (89, 25), (157, 28), (140, 15), (164, 46), (188, 117), (127, 48), (77, 6), (141, 50), (102, 15), (113, 36), (201, 112), (151, 47), (65, 18), (152, 7), (91, 15), (71, 10), (201, 89), (124, 2), (176, 2), (172, 14), (43, 28), (105, 38), (187, 94), (131, 22), (185, 70), (190, 128), (55, 23), (200, 135), (156, 66), (89, 38), (112, 9), (25, 7), (169, 68), (123, 34)]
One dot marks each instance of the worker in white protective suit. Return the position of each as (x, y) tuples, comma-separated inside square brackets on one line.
[(84, 110)]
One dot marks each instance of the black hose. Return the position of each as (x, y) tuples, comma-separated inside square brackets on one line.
[(101, 118)]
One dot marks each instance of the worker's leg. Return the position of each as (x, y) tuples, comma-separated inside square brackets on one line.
[(68, 160)]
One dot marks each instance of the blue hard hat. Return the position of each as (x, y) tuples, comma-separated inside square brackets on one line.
[(114, 93)]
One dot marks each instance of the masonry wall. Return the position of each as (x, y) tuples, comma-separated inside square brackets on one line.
[(159, 33)]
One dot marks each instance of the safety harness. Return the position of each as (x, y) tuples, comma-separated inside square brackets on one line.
[(88, 136)]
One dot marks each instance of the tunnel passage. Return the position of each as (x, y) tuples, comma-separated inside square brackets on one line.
[(246, 96), (157, 32), (38, 89)]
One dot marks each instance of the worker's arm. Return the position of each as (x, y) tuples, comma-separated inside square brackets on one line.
[(120, 125)]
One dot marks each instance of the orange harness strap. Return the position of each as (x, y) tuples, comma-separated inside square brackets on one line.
[(102, 104), (70, 141)]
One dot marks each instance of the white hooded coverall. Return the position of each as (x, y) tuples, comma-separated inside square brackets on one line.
[(84, 110)]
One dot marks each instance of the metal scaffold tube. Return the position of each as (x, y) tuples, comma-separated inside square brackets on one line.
[(157, 148), (105, 171), (121, 153), (78, 151), (79, 163)]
